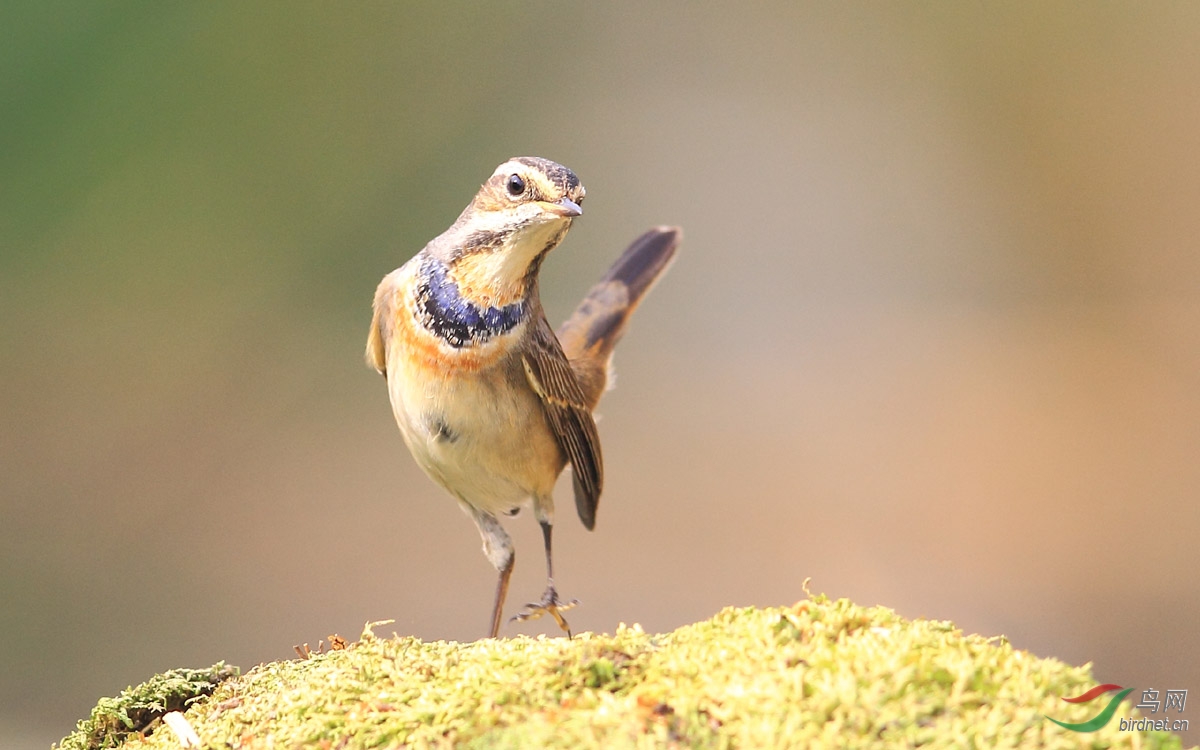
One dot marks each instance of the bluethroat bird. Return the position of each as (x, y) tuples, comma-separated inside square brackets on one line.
[(491, 403)]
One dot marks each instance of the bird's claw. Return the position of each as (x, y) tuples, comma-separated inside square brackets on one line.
[(549, 605)]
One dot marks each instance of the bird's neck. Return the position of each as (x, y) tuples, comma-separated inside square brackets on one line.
[(455, 315), (495, 259)]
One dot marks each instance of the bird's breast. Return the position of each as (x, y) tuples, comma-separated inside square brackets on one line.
[(459, 393), (433, 330)]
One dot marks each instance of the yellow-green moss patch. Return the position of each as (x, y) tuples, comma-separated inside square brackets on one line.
[(820, 673)]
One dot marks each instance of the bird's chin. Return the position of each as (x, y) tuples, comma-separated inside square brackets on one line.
[(539, 236)]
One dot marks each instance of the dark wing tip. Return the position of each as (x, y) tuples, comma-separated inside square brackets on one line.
[(586, 504)]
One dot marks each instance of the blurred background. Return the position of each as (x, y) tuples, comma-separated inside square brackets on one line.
[(932, 339)]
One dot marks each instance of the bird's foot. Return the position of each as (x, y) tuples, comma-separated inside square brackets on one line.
[(549, 605)]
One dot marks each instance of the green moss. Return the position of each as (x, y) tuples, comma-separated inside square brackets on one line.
[(817, 674), (136, 709)]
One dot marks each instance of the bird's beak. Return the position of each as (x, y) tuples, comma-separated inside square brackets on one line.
[(566, 208)]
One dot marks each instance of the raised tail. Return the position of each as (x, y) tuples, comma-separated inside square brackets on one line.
[(593, 330)]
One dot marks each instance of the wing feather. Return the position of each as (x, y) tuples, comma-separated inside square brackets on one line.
[(552, 379), (381, 319)]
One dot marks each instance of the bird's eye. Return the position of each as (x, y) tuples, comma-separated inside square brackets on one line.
[(515, 185)]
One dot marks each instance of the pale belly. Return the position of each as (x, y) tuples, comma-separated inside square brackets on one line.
[(484, 437)]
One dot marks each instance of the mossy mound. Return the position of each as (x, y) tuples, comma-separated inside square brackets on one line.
[(113, 720), (819, 674)]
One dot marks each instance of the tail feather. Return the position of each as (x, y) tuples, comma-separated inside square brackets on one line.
[(593, 330)]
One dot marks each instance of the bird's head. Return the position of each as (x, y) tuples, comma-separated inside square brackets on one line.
[(527, 190), (522, 212)]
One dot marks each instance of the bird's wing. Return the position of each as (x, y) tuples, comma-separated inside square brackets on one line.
[(551, 377), (381, 322)]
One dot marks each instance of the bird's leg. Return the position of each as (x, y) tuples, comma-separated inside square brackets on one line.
[(550, 603), (501, 594), (497, 546)]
